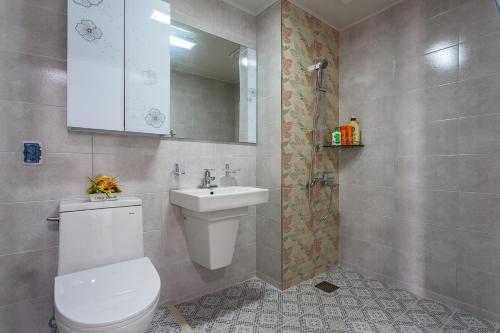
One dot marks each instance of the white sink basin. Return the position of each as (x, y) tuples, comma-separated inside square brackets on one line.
[(220, 198), (212, 218)]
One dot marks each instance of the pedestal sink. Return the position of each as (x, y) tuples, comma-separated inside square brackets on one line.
[(212, 218)]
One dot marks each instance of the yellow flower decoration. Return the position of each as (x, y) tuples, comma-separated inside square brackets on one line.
[(103, 184)]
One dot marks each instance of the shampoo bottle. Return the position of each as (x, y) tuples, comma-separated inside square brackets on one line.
[(356, 131)]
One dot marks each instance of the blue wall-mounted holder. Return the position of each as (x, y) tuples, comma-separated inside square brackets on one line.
[(32, 152)]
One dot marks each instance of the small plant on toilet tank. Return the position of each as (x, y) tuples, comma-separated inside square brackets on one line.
[(103, 188)]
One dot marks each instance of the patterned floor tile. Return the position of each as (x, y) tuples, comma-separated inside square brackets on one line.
[(363, 326), (350, 301), (367, 319), (363, 292), (464, 322), (305, 296), (296, 326), (409, 327), (375, 284), (393, 306), (248, 322), (314, 322), (164, 322), (359, 306), (335, 311), (424, 315), (402, 295), (341, 278), (378, 315)]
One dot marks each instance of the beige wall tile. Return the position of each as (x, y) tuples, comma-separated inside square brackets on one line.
[(59, 176), (47, 124), (32, 29), (440, 125), (27, 275), (30, 316), (23, 226), (31, 78)]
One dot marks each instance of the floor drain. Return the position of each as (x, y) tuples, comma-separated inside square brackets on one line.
[(327, 287)]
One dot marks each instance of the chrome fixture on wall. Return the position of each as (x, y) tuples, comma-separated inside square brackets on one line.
[(179, 169), (319, 65), (326, 180), (317, 139), (228, 170), (207, 179)]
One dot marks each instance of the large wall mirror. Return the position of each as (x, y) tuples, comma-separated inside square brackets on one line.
[(213, 87), (133, 70)]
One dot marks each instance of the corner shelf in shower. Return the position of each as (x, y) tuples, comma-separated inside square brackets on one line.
[(343, 146)]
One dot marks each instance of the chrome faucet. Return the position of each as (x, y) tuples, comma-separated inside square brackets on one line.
[(207, 180)]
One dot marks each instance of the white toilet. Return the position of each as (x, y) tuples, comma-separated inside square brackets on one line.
[(104, 282)]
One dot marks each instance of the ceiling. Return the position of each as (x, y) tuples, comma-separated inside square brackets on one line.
[(337, 13)]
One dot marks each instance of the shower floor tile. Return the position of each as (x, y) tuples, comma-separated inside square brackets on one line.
[(359, 306)]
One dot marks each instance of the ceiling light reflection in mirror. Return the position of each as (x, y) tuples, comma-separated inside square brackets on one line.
[(182, 38), (160, 17)]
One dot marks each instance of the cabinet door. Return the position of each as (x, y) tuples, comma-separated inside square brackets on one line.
[(147, 66), (96, 64)]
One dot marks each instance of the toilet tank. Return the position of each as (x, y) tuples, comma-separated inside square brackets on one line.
[(94, 234)]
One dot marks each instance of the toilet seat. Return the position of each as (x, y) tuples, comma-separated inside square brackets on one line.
[(108, 297)]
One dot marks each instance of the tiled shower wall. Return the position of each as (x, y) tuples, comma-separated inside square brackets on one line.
[(269, 144), (310, 245), (33, 107), (420, 203)]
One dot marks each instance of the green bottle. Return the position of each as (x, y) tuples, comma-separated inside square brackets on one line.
[(336, 138)]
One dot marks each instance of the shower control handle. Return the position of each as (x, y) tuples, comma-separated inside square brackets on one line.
[(327, 179)]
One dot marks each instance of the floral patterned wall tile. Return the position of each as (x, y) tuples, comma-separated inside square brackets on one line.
[(310, 243)]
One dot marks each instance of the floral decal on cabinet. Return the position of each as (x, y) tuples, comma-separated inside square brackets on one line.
[(88, 30), (155, 118), (310, 246), (88, 3)]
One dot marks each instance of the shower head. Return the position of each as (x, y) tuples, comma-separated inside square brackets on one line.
[(321, 65)]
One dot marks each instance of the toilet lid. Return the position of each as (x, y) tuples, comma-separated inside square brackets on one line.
[(107, 295)]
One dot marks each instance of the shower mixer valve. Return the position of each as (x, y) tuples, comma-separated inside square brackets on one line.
[(326, 180)]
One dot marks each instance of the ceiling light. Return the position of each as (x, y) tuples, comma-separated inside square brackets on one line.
[(180, 42), (160, 17)]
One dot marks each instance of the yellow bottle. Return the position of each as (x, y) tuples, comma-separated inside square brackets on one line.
[(356, 131)]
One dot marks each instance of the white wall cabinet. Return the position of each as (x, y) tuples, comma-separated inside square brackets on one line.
[(147, 66), (119, 65)]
